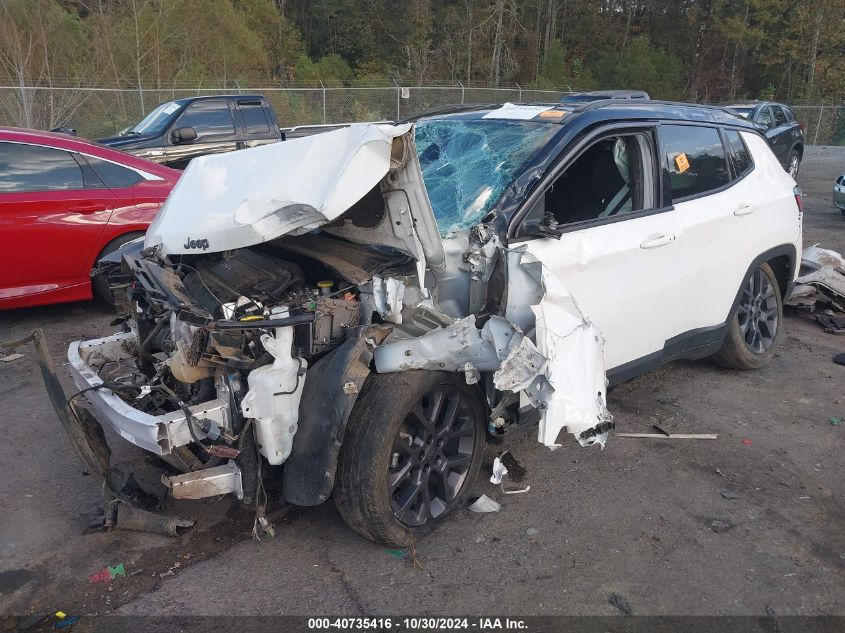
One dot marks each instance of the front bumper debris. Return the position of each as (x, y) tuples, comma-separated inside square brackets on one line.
[(126, 506), (157, 434)]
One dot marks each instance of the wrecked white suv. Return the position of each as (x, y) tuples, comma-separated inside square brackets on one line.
[(366, 307)]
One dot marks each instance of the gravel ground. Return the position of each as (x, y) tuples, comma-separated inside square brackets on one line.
[(636, 518)]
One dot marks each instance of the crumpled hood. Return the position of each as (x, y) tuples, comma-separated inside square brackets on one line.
[(239, 199)]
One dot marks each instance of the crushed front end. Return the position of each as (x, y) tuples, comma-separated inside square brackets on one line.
[(254, 312)]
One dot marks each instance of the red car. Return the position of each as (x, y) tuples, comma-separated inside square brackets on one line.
[(64, 203)]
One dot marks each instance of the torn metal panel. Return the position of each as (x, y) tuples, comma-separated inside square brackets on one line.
[(825, 283), (209, 482), (574, 348), (388, 295), (451, 348), (815, 257), (827, 278), (560, 369)]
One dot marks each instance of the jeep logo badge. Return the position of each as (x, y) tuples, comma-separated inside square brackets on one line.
[(189, 243)]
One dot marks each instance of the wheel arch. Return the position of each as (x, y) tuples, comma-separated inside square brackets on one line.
[(782, 261), (136, 233), (331, 389)]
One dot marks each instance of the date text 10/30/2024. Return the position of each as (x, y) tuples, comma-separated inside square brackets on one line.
[(417, 624)]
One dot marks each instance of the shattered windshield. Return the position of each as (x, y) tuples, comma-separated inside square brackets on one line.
[(467, 164)]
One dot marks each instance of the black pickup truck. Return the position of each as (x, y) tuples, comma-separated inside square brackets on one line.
[(177, 131)]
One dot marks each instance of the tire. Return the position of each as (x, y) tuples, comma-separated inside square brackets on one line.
[(793, 163), (385, 438), (756, 325), (99, 284)]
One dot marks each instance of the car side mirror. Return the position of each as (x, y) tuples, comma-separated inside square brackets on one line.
[(545, 226), (183, 134)]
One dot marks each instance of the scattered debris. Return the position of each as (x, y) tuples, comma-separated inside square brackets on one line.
[(485, 504), (747, 441), (499, 471), (619, 601), (720, 525), (11, 357), (729, 494), (672, 436), (127, 517), (398, 553), (66, 622), (532, 531), (835, 421), (832, 323), (720, 473), (823, 284), (108, 573)]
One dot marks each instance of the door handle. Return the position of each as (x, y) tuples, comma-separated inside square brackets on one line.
[(658, 239), (87, 208), (745, 209)]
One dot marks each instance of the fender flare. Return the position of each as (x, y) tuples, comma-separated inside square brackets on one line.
[(772, 253), (330, 391)]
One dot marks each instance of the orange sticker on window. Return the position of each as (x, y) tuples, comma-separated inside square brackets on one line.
[(682, 163), (552, 114)]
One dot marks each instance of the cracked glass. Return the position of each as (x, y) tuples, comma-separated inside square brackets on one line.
[(467, 164)]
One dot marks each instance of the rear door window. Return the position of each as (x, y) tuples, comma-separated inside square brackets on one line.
[(739, 152), (695, 158), (255, 120), (780, 117), (208, 118), (35, 168), (765, 117)]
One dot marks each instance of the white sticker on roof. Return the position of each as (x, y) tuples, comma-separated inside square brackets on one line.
[(168, 109), (516, 111)]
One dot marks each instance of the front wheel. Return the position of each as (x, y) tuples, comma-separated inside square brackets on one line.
[(755, 327), (413, 447)]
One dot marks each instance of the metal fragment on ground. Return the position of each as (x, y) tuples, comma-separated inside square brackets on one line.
[(485, 504)]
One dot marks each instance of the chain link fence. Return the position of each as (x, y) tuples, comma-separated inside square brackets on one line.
[(823, 124), (100, 112)]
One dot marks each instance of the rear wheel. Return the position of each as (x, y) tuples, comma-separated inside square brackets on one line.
[(413, 447), (754, 330), (793, 163), (99, 283)]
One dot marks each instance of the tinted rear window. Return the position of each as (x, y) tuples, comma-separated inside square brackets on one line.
[(741, 156), (780, 117), (696, 159), (115, 176), (255, 120), (36, 168)]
